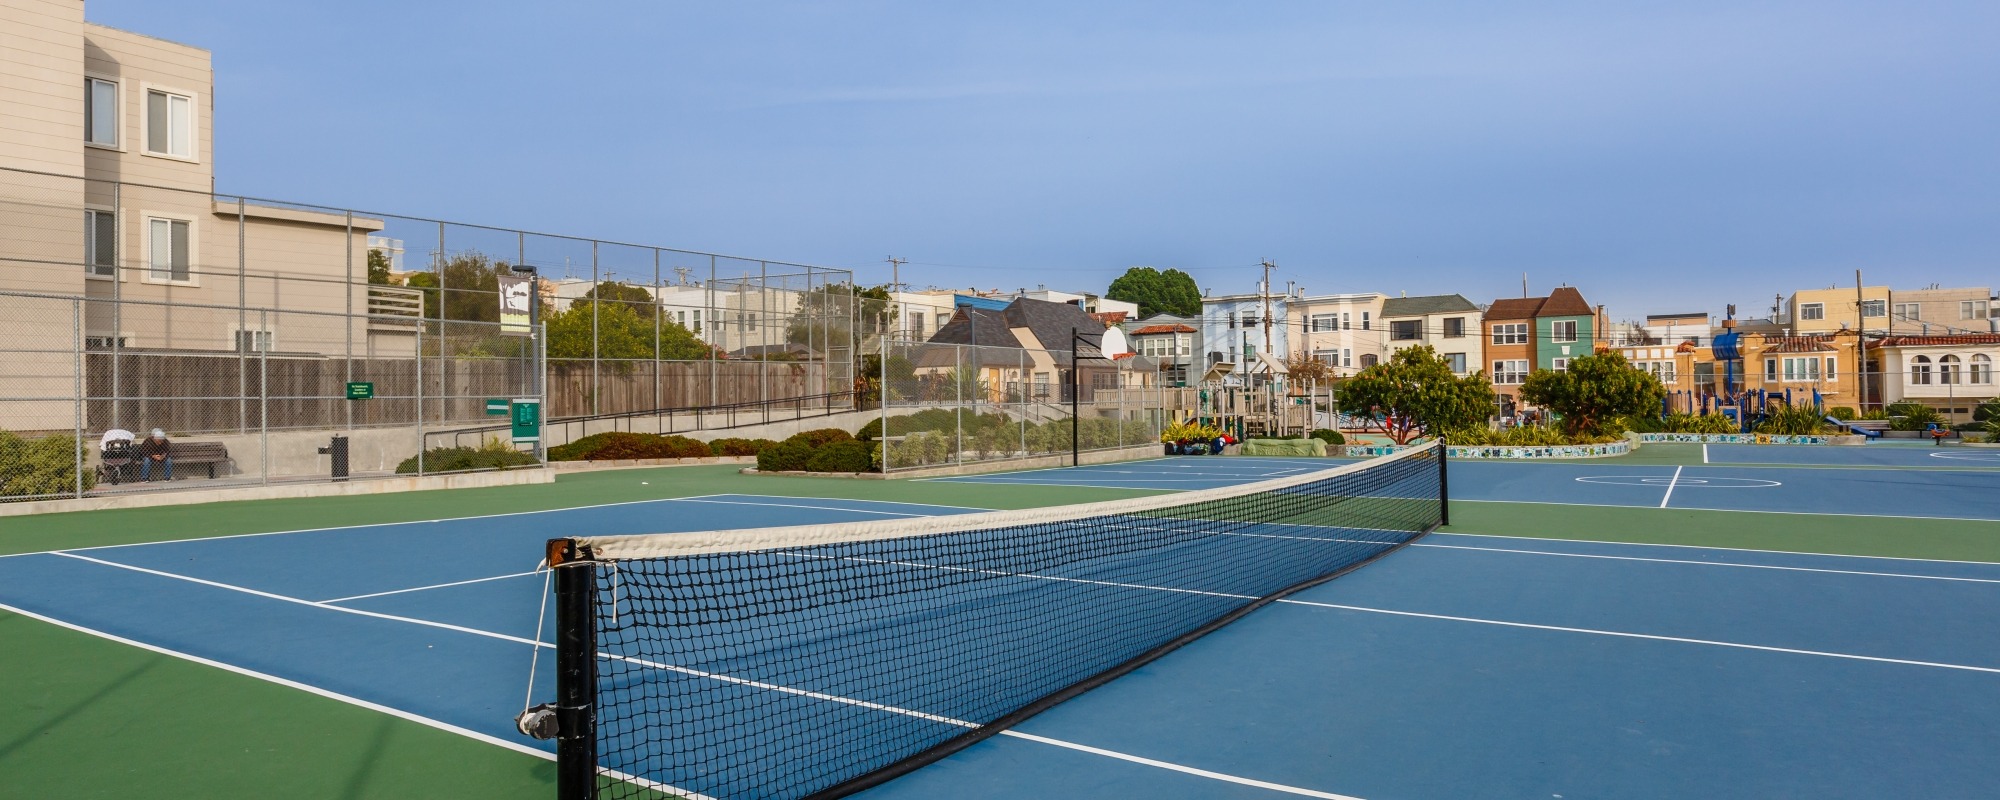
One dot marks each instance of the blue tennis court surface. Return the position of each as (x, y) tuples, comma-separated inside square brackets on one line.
[(1872, 455), (1460, 666)]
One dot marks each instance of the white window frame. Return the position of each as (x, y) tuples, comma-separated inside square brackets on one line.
[(1908, 312), (1801, 369), (117, 143), (1510, 333), (1458, 362), (263, 341), (146, 122), (1978, 369), (1559, 364), (103, 341), (1812, 311), (1948, 370), (1446, 324), (1416, 327), (1556, 331), (1365, 323), (146, 219), (1347, 357), (1330, 358), (1832, 371), (1346, 321), (1322, 323), (90, 253), (1771, 372), (1880, 307), (1972, 309), (1505, 372), (1920, 370)]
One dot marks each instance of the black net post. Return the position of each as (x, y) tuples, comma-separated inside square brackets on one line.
[(576, 672), (1444, 488)]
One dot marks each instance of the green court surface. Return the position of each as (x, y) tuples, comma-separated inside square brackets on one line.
[(90, 717)]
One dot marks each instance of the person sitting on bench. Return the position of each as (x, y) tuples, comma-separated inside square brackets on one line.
[(156, 450)]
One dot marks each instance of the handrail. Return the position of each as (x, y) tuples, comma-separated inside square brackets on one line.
[(797, 403)]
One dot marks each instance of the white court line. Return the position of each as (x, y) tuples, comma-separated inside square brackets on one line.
[(1646, 636), (363, 525), (816, 508), (668, 667), (1670, 487), (1707, 563), (1712, 547), (1713, 510), (432, 586)]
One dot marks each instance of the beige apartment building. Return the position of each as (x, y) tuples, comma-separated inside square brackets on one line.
[(1343, 330), (1448, 323), (106, 191)]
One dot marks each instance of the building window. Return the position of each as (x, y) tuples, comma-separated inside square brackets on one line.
[(1346, 323), (1920, 371), (1972, 309), (1323, 322), (169, 124), (1510, 372), (1802, 369), (1832, 372), (1981, 371), (1249, 320), (1513, 333), (1811, 311), (1770, 370), (1559, 364), (100, 112), (1329, 357), (1454, 327), (1457, 361), (697, 320), (104, 342), (1232, 320), (1562, 330), (1249, 351), (167, 249), (253, 341), (1909, 312), (1347, 357), (1948, 370), (100, 243), (917, 322), (1874, 308), (1403, 330), (1364, 320)]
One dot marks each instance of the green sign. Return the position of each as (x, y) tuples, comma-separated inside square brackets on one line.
[(497, 406), (360, 391), (527, 420)]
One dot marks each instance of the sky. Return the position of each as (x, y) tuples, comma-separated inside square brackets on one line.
[(1661, 156)]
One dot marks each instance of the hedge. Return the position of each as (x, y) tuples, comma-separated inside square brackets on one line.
[(739, 447), (495, 455), (45, 466), (616, 445)]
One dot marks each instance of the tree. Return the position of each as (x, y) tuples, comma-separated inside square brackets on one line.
[(624, 294), (1594, 393), (471, 288), (621, 333), (1170, 292), (1303, 368), (823, 314), (378, 269), (1416, 392)]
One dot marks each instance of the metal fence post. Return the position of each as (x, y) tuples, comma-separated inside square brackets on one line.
[(264, 392), (421, 442), (958, 404), (117, 302), (242, 319), (347, 362), (658, 312), (595, 387), (76, 363)]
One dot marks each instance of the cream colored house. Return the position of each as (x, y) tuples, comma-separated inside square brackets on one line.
[(1953, 373), (121, 122), (1939, 311), (1448, 323), (1343, 330), (1833, 308)]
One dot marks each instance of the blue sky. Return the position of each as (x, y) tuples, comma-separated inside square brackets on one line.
[(1662, 156)]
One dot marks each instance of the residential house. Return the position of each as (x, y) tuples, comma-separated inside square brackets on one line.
[(1935, 311), (1673, 329), (1449, 323), (1024, 350), (1811, 311), (1174, 343), (1698, 377), (106, 191), (1246, 331), (1343, 330), (1524, 334), (1951, 372)]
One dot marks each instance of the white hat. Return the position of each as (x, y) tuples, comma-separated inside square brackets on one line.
[(159, 434)]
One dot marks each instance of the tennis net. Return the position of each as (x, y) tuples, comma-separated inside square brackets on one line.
[(820, 660)]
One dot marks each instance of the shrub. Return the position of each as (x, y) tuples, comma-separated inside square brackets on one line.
[(1912, 416), (1842, 413), (577, 450), (30, 467), (819, 438), (1791, 421), (739, 447), (495, 454), (622, 445), (847, 456), (1987, 411), (789, 455), (1331, 437)]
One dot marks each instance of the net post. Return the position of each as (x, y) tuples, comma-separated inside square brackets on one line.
[(1444, 485), (576, 670)]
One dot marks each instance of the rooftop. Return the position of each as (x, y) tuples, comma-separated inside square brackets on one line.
[(1427, 304)]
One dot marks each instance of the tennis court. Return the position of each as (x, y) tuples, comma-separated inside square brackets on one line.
[(1877, 454), (1584, 629)]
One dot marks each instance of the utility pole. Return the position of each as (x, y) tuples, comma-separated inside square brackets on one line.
[(1265, 291), (895, 285)]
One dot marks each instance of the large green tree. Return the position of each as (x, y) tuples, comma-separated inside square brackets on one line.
[(620, 333), (378, 269), (1594, 393), (1170, 292), (624, 294), (1416, 392), (823, 314), (469, 283)]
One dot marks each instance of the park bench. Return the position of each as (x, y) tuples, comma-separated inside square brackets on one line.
[(206, 454)]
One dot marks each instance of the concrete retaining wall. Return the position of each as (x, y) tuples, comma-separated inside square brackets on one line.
[(984, 467)]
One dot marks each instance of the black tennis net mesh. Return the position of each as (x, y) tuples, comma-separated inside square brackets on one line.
[(794, 662)]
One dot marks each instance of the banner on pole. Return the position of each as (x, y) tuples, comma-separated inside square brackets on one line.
[(516, 297)]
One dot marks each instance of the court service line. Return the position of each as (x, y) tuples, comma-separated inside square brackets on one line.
[(1714, 510), (1704, 452), (815, 508), (430, 587), (539, 644), (1712, 547), (1671, 482), (1646, 636), (1708, 563)]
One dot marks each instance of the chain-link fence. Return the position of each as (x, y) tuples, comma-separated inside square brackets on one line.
[(211, 315), (956, 404)]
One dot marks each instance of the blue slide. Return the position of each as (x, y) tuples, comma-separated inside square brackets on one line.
[(1838, 423)]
